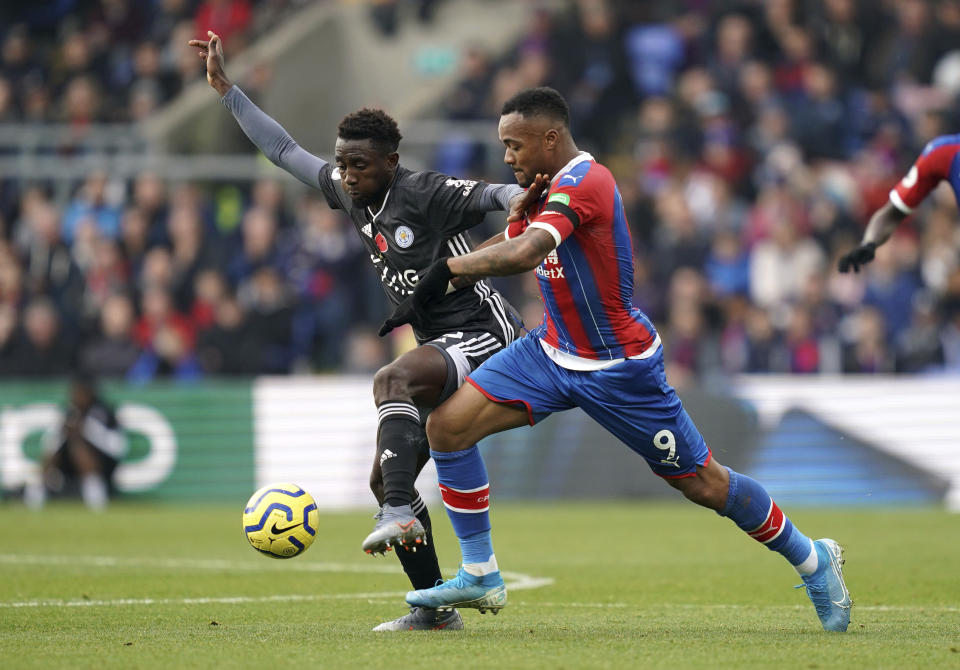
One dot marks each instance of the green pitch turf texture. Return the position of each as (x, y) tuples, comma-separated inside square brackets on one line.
[(633, 586)]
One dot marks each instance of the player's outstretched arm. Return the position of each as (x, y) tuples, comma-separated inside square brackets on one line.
[(268, 135), (882, 224)]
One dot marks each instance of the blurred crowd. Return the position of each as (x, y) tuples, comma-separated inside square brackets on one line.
[(751, 140), (88, 61)]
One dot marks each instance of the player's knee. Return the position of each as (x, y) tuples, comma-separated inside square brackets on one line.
[(439, 430), (391, 382)]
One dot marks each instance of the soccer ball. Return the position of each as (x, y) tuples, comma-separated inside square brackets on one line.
[(280, 520)]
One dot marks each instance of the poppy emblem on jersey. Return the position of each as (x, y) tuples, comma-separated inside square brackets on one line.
[(381, 242), (403, 236)]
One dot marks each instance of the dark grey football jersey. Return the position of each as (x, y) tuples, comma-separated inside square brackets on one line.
[(425, 216)]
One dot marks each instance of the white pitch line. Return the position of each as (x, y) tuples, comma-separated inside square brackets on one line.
[(515, 581), (226, 600), (29, 560)]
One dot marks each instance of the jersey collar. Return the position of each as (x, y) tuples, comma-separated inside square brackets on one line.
[(396, 176), (576, 160)]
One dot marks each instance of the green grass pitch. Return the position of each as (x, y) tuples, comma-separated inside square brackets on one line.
[(626, 585)]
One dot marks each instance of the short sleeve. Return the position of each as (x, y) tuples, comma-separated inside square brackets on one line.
[(930, 168), (328, 181), (574, 199)]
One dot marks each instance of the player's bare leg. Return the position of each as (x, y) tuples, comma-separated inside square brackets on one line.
[(415, 378), (453, 430)]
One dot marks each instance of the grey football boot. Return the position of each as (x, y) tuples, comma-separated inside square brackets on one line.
[(423, 618), (395, 527)]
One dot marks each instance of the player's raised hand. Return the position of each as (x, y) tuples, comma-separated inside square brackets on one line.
[(857, 258), (520, 203), (211, 50)]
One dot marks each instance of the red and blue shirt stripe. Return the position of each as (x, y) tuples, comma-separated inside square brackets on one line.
[(587, 281)]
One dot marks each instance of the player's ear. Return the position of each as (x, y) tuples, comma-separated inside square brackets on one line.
[(551, 139), (392, 160)]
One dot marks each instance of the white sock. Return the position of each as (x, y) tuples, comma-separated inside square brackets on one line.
[(481, 569), (35, 493), (810, 563), (93, 489)]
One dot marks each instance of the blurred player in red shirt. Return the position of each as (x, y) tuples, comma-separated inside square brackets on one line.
[(940, 160)]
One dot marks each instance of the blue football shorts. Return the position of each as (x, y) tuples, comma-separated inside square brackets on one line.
[(632, 400)]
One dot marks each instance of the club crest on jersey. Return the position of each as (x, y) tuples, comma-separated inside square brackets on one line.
[(403, 237), (381, 242)]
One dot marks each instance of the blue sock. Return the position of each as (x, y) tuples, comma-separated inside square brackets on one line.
[(466, 495), (751, 508)]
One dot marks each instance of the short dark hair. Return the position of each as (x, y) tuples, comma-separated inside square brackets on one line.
[(371, 124), (541, 101)]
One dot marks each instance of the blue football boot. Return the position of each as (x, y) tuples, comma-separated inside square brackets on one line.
[(826, 589), (465, 590)]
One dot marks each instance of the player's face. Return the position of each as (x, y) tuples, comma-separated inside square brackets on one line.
[(364, 171), (528, 143)]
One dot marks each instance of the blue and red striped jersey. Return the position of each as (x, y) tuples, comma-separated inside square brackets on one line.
[(587, 281), (939, 161)]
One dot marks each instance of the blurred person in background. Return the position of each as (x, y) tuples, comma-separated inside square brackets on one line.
[(106, 276), (320, 255), (191, 253), (781, 265), (228, 346), (919, 348), (112, 351), (82, 453), (44, 348), (868, 351), (49, 268), (209, 288), (269, 309), (166, 339), (259, 246)]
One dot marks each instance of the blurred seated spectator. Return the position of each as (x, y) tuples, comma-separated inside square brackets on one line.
[(229, 346), (166, 339), (258, 246), (919, 347), (269, 308), (209, 288), (43, 349), (781, 265), (113, 351), (82, 453), (868, 351)]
